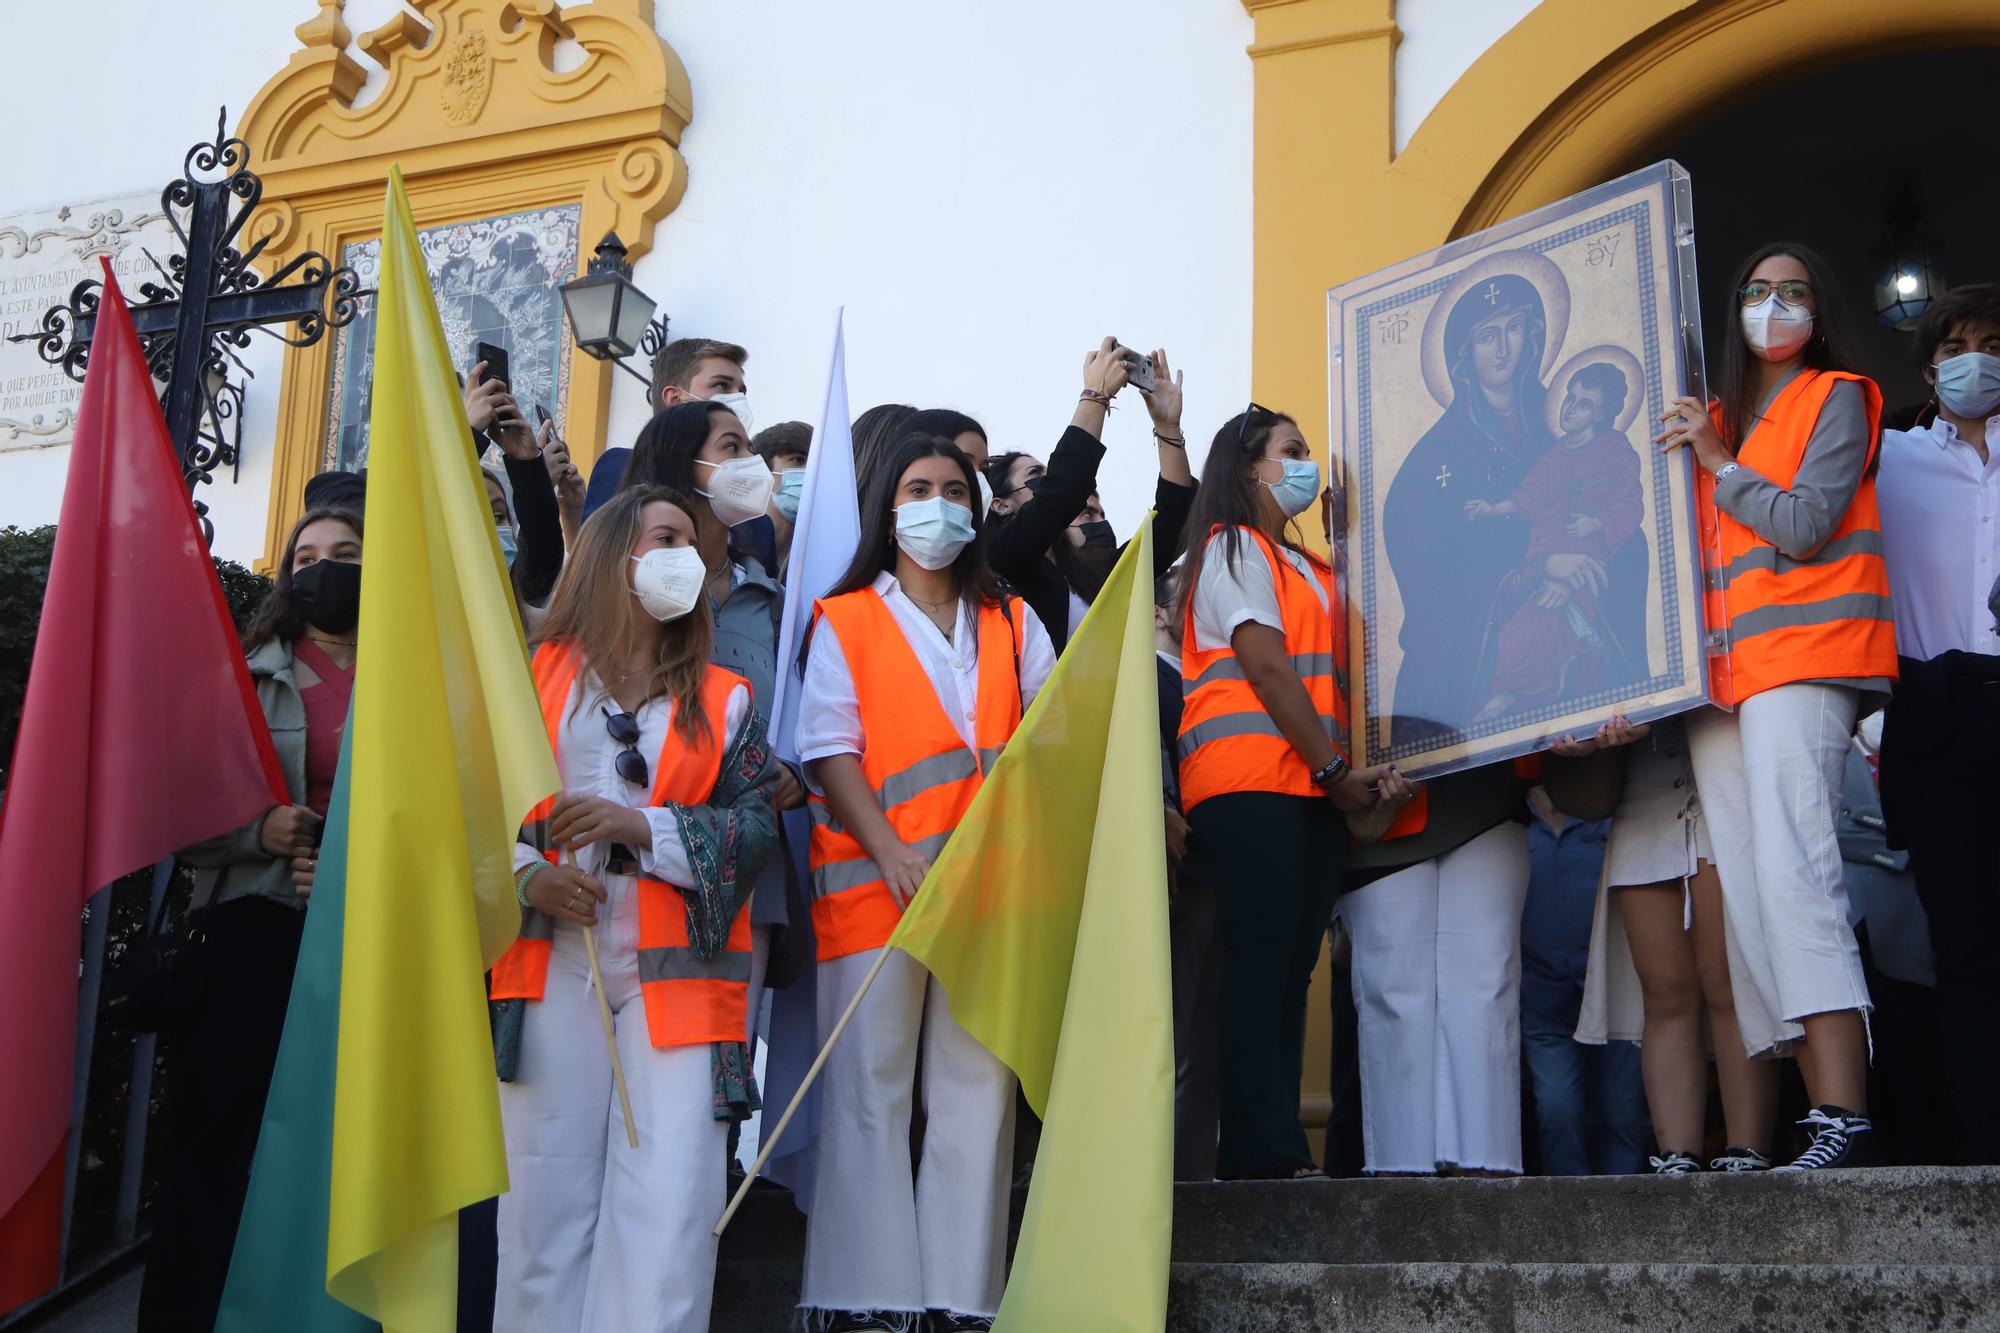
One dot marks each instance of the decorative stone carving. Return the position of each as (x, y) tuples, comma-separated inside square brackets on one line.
[(483, 124), (468, 77)]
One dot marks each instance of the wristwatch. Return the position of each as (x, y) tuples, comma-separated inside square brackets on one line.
[(1726, 469), (1335, 770)]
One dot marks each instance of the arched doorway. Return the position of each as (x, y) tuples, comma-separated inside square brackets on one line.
[(1885, 169), (1578, 92), (1572, 95)]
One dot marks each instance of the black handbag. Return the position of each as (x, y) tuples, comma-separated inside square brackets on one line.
[(159, 980)]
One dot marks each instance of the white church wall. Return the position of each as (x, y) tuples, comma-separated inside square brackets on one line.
[(1441, 39), (986, 190)]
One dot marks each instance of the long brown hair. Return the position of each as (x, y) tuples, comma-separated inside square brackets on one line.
[(277, 617), (1228, 496), (1831, 346), (594, 610)]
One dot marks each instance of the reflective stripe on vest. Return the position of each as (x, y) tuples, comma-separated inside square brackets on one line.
[(1783, 619), (688, 999), (914, 760), (1228, 742)]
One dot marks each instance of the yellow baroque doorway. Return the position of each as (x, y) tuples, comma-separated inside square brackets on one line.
[(1575, 93)]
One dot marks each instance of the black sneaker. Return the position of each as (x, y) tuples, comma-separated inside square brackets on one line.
[(1735, 1161), (1675, 1164), (1840, 1139)]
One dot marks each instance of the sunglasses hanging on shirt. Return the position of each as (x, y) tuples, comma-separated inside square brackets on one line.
[(624, 729)]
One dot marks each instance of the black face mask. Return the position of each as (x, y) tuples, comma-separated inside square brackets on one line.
[(1097, 534), (328, 594)]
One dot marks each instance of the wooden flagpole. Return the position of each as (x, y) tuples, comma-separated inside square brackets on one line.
[(604, 1014), (819, 1062)]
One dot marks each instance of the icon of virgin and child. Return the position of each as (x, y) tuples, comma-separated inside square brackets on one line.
[(1514, 527)]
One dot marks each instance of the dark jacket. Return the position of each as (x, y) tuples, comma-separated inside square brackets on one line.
[(1018, 546), (538, 556), (1943, 726)]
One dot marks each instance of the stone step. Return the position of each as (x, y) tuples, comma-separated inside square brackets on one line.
[(1563, 1298), (1519, 1298), (1896, 1215)]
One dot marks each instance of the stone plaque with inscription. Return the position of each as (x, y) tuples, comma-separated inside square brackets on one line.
[(43, 256)]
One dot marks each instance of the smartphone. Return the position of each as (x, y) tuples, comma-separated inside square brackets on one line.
[(1142, 368), (495, 358), (541, 415)]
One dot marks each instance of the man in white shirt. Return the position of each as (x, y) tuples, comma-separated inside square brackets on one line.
[(1939, 490)]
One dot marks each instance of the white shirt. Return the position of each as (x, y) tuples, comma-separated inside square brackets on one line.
[(1940, 537), (1225, 596), (587, 758), (830, 711)]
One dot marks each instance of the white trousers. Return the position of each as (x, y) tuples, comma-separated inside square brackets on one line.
[(1437, 990), (879, 1238), (1769, 776), (597, 1236)]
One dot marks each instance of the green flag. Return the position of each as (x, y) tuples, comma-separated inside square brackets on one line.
[(277, 1276)]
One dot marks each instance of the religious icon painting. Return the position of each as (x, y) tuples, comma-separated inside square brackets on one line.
[(497, 280), (1521, 561)]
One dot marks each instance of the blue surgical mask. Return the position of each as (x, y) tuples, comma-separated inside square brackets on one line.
[(1299, 486), (932, 532), (1969, 384), (790, 489), (509, 543)]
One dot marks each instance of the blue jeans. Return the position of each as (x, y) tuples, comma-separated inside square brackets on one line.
[(1590, 1101)]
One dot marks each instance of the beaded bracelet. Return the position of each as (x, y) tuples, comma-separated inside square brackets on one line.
[(521, 878)]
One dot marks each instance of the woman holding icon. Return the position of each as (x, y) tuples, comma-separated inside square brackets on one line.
[(1787, 489)]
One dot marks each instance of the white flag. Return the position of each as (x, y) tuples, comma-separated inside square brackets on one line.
[(823, 545)]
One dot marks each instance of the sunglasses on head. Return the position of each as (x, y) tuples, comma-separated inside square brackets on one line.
[(630, 764), (1243, 422)]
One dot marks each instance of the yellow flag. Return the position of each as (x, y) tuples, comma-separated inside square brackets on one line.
[(1045, 919), (448, 756)]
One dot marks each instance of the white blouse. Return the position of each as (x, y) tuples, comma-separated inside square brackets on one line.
[(587, 758), (830, 710), (1246, 593)]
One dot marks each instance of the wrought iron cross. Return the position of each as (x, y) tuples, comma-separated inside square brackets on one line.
[(210, 301)]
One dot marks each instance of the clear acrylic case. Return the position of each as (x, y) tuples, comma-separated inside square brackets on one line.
[(1515, 574)]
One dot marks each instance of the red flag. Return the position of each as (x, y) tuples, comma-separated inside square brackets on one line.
[(141, 733)]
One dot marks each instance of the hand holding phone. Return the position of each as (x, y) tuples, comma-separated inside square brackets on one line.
[(495, 357), (1142, 368)]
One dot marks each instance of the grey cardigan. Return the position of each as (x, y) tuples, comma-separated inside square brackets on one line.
[(234, 865), (746, 642)]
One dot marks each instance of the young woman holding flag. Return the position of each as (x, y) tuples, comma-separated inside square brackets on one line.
[(1264, 777), (663, 821), (250, 889), (917, 673)]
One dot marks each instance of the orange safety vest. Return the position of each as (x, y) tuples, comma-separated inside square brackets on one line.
[(913, 758), (1780, 619), (1228, 742), (689, 1000)]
